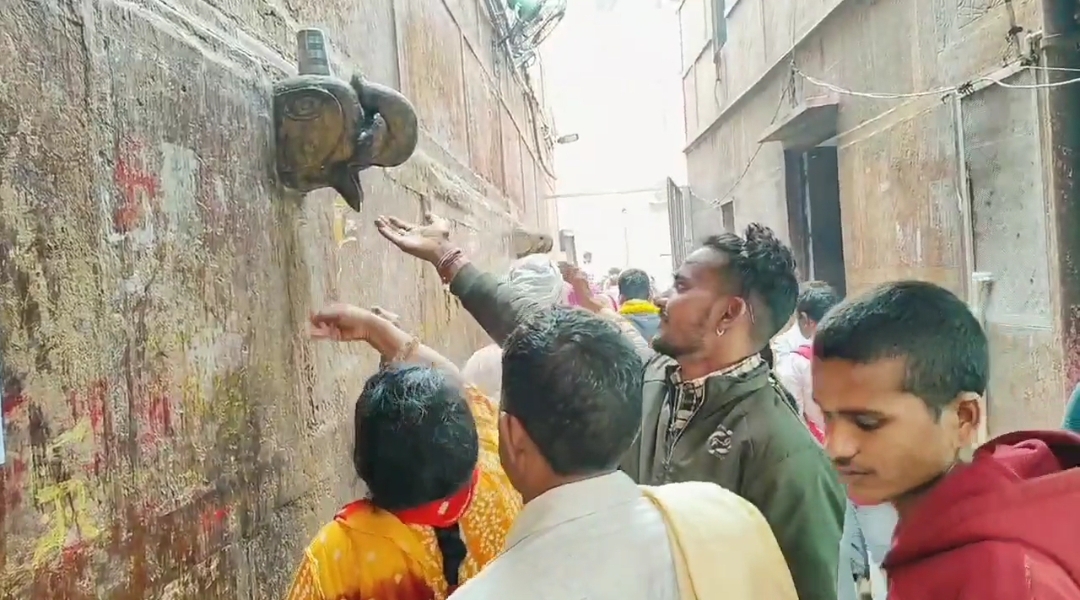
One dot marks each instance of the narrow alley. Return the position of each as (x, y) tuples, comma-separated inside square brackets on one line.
[(189, 188)]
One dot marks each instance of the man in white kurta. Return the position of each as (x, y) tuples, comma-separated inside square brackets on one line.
[(595, 538), (571, 408)]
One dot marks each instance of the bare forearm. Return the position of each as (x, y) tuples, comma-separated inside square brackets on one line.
[(393, 345)]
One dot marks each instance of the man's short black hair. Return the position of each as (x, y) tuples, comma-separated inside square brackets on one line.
[(416, 439), (941, 342), (574, 381), (816, 298), (634, 284), (765, 271)]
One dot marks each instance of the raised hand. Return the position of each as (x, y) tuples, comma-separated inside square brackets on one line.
[(393, 318), (428, 241), (342, 323), (579, 282)]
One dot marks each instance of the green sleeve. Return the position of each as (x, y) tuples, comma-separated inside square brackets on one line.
[(1072, 411), (490, 301), (804, 504)]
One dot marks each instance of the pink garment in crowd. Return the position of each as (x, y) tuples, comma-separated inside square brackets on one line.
[(573, 299)]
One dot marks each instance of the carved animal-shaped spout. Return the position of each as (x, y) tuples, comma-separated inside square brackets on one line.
[(329, 130)]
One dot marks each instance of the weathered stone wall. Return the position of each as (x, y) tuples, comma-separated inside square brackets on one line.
[(170, 431), (898, 162)]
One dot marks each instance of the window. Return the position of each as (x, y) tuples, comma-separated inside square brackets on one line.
[(719, 29)]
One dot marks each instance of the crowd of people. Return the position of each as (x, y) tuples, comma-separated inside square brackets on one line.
[(738, 437)]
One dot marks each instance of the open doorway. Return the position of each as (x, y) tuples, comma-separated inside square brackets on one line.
[(727, 215), (813, 203)]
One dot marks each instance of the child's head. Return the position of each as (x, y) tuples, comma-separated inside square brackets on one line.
[(815, 299)]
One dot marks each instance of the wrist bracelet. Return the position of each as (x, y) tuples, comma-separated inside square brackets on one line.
[(407, 350), (448, 257), (446, 265)]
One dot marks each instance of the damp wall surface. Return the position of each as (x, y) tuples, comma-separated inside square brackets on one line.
[(169, 430), (884, 63)]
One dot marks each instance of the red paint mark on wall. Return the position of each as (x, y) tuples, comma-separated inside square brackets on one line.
[(133, 182), (12, 402), (91, 403), (153, 417), (156, 416), (214, 518), (13, 482)]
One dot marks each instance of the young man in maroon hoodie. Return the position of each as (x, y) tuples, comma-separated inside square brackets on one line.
[(898, 373)]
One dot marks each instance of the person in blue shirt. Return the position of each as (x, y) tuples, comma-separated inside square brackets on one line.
[(1072, 411)]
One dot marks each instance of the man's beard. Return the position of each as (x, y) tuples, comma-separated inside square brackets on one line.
[(661, 346)]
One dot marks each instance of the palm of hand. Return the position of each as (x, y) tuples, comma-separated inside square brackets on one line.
[(422, 241)]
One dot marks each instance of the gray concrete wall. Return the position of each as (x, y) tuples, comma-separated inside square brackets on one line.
[(170, 431), (898, 165)]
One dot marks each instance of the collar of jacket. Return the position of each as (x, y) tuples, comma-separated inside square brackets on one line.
[(723, 391)]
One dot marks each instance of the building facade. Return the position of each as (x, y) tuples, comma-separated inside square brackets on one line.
[(892, 139), (169, 430)]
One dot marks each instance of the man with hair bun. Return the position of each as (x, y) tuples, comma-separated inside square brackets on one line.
[(711, 410), (572, 408)]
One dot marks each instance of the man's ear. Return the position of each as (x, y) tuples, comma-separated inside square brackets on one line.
[(511, 433), (733, 310), (968, 410)]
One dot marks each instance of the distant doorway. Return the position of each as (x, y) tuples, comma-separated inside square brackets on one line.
[(813, 203), (727, 215)]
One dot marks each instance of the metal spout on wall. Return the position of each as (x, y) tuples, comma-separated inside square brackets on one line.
[(328, 130), (311, 54)]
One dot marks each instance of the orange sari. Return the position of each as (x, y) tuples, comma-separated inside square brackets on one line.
[(369, 554)]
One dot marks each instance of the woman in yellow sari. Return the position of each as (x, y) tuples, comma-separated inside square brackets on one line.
[(439, 505)]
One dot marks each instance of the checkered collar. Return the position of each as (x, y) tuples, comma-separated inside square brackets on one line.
[(738, 369)]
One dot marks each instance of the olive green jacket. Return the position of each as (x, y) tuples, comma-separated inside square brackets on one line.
[(746, 437)]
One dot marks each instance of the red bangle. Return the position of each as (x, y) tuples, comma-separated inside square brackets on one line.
[(445, 265), (447, 258)]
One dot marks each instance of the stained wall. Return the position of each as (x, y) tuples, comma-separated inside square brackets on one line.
[(169, 430)]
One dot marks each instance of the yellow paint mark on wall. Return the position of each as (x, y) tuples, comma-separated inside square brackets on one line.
[(192, 396), (345, 225), (66, 504), (76, 435)]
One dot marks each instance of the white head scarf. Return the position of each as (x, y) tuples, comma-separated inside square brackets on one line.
[(536, 278)]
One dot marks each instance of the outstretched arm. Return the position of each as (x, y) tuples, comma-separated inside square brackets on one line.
[(490, 301), (348, 323), (395, 345)]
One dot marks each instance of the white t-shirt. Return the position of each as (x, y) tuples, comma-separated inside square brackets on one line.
[(792, 370)]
